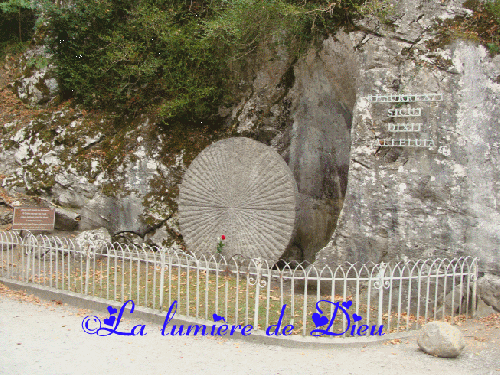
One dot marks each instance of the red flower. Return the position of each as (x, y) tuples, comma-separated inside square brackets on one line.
[(223, 237)]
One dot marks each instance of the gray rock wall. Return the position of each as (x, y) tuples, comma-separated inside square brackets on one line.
[(418, 202), (356, 202), (323, 98), (60, 160), (304, 111)]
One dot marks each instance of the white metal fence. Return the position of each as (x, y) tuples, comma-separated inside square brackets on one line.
[(399, 296)]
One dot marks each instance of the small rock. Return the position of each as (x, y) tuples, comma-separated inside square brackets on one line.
[(95, 241), (441, 339)]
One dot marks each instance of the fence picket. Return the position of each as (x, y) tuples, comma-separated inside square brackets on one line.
[(417, 291)]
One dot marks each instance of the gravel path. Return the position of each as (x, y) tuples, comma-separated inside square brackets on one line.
[(39, 337)]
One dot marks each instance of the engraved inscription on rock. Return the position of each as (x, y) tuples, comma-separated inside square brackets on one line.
[(244, 190), (410, 139)]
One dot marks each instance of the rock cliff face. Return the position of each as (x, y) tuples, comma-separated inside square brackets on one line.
[(359, 199), (94, 174), (306, 114), (422, 201)]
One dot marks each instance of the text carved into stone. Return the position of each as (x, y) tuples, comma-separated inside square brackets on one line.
[(403, 128), (404, 98), (404, 142), (404, 112)]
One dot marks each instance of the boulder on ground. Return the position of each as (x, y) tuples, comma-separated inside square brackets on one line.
[(483, 310), (441, 339), (38, 83), (131, 239), (66, 220), (455, 298), (489, 290), (6, 215)]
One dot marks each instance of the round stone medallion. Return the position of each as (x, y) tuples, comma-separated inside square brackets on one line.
[(242, 189)]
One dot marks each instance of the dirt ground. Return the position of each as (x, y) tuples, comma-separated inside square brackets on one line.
[(46, 337)]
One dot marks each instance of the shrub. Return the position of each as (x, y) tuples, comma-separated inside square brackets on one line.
[(173, 55), (239, 26), (494, 8), (128, 55)]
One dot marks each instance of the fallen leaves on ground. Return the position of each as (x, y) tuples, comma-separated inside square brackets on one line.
[(19, 295), (492, 320)]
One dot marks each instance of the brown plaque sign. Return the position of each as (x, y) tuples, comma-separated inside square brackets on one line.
[(33, 218)]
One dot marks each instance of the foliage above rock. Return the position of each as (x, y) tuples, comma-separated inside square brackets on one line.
[(481, 26), (173, 56)]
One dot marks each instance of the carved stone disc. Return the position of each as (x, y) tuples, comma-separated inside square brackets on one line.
[(244, 190)]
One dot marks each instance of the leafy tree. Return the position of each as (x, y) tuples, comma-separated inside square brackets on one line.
[(17, 6)]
